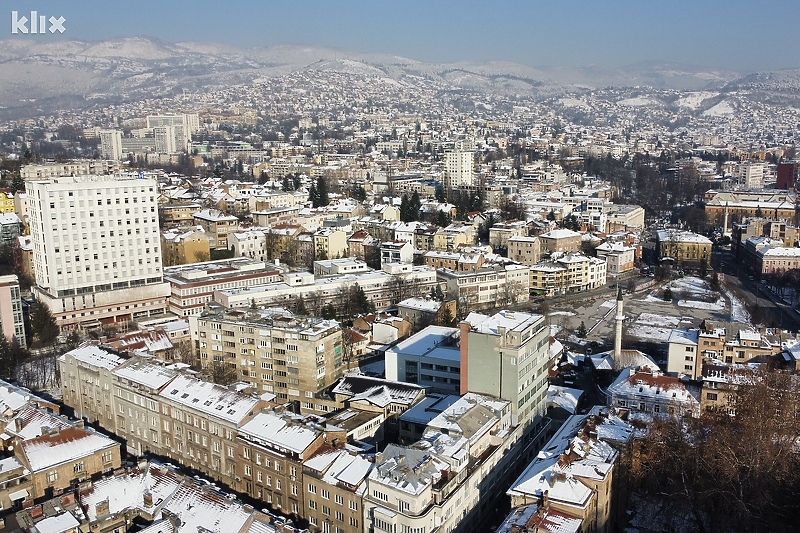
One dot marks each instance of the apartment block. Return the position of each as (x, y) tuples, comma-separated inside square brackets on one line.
[(217, 225), (293, 358), (488, 286), (525, 250), (506, 356), (11, 320)]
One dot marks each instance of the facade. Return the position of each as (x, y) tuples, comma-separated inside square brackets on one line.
[(75, 167), (382, 289), (111, 144), (624, 218), (87, 383), (96, 248), (488, 286), (182, 247), (787, 175), (11, 320), (618, 257), (217, 225), (178, 213), (524, 250), (293, 358), (685, 248), (491, 345), (649, 391), (192, 286), (430, 358), (458, 169), (683, 354), (569, 273), (561, 240)]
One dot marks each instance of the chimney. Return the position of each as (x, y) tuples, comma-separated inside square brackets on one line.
[(18, 424), (618, 318), (147, 496), (101, 508), (546, 499)]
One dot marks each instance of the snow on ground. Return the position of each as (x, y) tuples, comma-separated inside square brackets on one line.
[(722, 109), (650, 326), (653, 299), (562, 313), (694, 288), (609, 303), (738, 310), (719, 305), (695, 100)]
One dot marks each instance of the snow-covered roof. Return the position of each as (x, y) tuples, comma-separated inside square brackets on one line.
[(96, 356), (210, 398), (203, 510), (563, 397), (533, 518), (61, 523), (683, 336), (281, 432), (146, 373), (510, 320), (66, 445), (377, 391)]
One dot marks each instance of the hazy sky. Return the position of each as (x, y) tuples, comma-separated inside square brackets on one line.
[(734, 34)]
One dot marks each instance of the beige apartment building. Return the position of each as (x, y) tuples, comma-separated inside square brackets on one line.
[(217, 226), (293, 358), (525, 250)]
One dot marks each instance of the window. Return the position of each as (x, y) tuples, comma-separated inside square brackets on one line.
[(711, 396), (353, 505), (339, 500), (312, 489), (312, 504), (78, 467), (325, 494), (52, 477)]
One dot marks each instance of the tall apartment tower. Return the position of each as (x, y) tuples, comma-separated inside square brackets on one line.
[(507, 356), (111, 144), (165, 137), (96, 248), (458, 168), (182, 124), (11, 320), (751, 174)]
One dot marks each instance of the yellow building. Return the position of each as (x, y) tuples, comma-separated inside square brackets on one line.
[(182, 247), (6, 201)]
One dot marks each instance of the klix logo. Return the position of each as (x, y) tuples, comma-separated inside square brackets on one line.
[(37, 23)]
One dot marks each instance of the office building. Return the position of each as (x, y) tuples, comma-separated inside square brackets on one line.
[(111, 144)]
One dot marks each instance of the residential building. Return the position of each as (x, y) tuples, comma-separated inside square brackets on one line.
[(96, 249), (217, 225), (75, 167), (87, 383), (423, 312), (330, 243), (502, 232), (430, 358), (624, 218), (491, 345), (580, 474), (9, 229), (569, 273), (335, 481), (561, 240), (111, 144), (458, 168), (396, 252), (449, 479), (683, 355), (787, 175), (750, 174), (179, 247), (294, 358), (487, 286), (524, 250), (619, 258), (179, 214), (452, 237), (61, 456), (11, 320), (647, 390)]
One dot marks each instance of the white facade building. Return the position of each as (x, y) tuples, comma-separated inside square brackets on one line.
[(111, 144), (96, 248), (458, 167)]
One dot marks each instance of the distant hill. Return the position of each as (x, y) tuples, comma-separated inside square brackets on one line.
[(40, 76)]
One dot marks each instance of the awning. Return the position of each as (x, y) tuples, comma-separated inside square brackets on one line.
[(19, 495)]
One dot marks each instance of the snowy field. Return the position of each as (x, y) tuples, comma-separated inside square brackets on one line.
[(693, 289), (562, 313), (650, 326)]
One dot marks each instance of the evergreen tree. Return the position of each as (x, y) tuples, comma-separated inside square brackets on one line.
[(43, 325), (329, 312), (17, 184), (285, 185), (322, 192), (300, 307), (313, 197), (667, 294), (582, 330)]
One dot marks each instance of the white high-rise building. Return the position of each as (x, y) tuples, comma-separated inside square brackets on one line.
[(183, 124), (96, 248), (751, 174), (165, 139), (458, 166), (111, 144)]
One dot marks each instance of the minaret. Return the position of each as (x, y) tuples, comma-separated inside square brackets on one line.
[(618, 318), (725, 223)]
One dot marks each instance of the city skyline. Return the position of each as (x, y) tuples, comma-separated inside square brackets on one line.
[(725, 35)]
